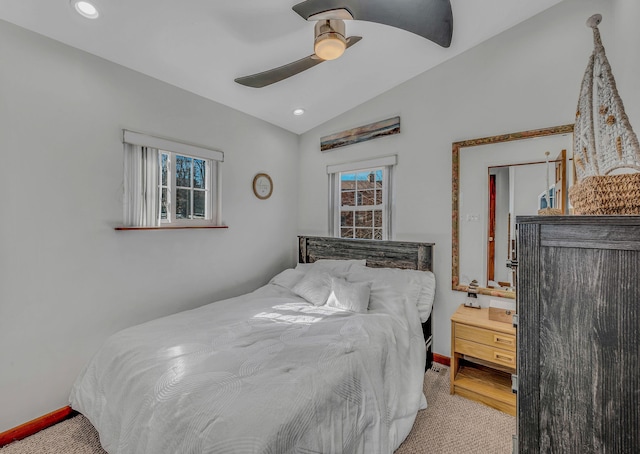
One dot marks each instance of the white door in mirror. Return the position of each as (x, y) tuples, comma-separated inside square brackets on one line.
[(262, 186)]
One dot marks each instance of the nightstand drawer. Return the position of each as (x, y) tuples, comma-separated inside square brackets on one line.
[(486, 353), (486, 337)]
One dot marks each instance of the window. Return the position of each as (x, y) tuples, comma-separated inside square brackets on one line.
[(185, 188), (360, 199), (169, 183)]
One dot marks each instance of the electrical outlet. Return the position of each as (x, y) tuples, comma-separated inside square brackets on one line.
[(473, 217)]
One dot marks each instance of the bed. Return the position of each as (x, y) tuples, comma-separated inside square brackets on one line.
[(328, 357)]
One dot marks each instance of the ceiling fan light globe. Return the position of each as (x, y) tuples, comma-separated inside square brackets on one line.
[(329, 47), (329, 42)]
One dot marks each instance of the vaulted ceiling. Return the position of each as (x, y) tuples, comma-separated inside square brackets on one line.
[(203, 45)]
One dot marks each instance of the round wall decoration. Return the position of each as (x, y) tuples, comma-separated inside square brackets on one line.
[(262, 186)]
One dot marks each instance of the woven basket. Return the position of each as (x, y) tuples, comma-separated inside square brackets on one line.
[(610, 194), (550, 212)]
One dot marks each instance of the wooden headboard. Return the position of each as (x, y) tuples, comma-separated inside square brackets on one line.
[(378, 254)]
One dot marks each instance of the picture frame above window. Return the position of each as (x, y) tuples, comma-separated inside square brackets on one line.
[(383, 128)]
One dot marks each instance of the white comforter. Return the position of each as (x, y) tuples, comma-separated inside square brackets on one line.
[(265, 372)]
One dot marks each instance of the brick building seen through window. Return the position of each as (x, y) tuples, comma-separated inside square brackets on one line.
[(362, 206)]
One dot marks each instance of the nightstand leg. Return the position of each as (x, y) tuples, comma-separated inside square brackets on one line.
[(455, 359)]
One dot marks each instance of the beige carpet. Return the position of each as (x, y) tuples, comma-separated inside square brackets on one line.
[(451, 424), (455, 425)]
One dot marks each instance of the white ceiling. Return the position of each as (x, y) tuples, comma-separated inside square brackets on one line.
[(203, 45)]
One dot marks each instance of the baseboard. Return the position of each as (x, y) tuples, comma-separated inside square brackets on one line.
[(440, 359), (36, 425)]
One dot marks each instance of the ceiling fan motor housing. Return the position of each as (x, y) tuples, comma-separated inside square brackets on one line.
[(330, 42)]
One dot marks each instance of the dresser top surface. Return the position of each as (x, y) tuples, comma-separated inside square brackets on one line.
[(575, 220), (480, 318)]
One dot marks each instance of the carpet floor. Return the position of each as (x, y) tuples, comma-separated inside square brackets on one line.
[(450, 425)]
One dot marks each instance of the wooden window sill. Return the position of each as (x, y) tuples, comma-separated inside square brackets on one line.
[(175, 227)]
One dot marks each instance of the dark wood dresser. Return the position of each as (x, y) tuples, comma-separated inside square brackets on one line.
[(578, 334)]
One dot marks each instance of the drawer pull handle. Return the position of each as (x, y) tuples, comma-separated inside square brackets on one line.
[(502, 340), (500, 357)]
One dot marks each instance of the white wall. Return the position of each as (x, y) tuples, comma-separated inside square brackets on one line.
[(67, 279), (531, 181), (526, 78), (621, 46)]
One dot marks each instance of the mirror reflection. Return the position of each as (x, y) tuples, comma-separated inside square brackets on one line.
[(497, 182), (515, 190)]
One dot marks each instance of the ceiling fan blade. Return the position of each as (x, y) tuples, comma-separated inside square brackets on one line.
[(351, 40), (274, 75), (431, 19)]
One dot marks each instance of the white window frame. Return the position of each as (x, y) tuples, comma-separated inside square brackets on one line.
[(172, 190), (213, 184), (387, 164)]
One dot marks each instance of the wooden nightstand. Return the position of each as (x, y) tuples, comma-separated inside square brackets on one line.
[(483, 357)]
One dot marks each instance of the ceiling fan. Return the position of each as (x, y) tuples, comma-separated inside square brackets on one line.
[(431, 19)]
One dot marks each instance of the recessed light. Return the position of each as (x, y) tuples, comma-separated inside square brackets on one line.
[(85, 9), (298, 112)]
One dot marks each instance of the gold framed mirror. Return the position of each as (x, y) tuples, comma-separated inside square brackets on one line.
[(473, 147)]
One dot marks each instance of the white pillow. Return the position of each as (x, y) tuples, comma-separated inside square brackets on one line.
[(331, 266), (389, 298), (427, 295), (315, 287), (287, 278), (349, 296), (397, 281), (304, 267)]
